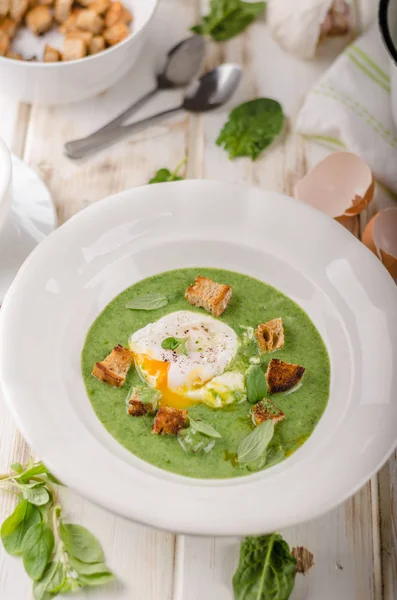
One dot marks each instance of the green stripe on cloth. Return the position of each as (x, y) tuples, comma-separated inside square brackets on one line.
[(369, 73), (368, 60), (327, 140)]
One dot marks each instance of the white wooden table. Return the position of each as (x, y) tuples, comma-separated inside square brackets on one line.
[(355, 546)]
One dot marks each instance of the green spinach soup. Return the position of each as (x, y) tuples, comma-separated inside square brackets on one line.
[(207, 373)]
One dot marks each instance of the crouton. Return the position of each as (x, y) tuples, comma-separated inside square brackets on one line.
[(9, 27), (73, 49), (14, 55), (142, 400), (266, 410), (51, 54), (45, 2), (97, 44), (70, 23), (117, 13), (116, 34), (63, 10), (208, 294), (270, 335), (4, 43), (86, 36), (114, 368), (88, 20), (17, 9), (282, 376), (99, 6), (169, 421), (4, 7), (39, 19)]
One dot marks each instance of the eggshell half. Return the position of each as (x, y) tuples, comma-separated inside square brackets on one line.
[(380, 236), (340, 185)]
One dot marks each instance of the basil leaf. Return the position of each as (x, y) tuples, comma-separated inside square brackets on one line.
[(251, 127), (96, 579), (36, 469), (37, 549), (203, 427), (253, 446), (35, 493), (194, 442), (228, 18), (83, 568), (52, 582), (173, 343), (80, 543), (14, 528), (147, 302), (256, 384), (266, 570)]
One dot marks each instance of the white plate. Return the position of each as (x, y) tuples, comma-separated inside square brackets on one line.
[(75, 272), (32, 217)]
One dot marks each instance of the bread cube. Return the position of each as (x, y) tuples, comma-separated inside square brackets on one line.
[(88, 20), (73, 49), (39, 19), (117, 13), (51, 54), (97, 44)]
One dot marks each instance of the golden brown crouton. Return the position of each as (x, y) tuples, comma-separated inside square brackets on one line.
[(114, 368), (70, 23), (265, 410), (99, 6), (270, 335), (17, 9), (86, 36), (88, 20), (73, 49), (97, 44), (45, 2), (14, 55), (138, 402), (137, 408), (117, 13), (39, 19), (4, 7), (114, 35), (4, 43), (63, 10), (282, 376), (169, 421), (51, 54), (9, 27), (208, 294)]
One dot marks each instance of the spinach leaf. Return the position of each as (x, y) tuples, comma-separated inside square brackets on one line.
[(51, 582), (173, 343), (228, 18), (147, 302), (203, 427), (83, 568), (164, 175), (251, 127), (35, 493), (14, 528), (256, 384), (37, 549), (80, 543), (253, 447), (266, 569)]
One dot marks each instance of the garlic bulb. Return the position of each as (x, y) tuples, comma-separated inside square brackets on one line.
[(298, 25)]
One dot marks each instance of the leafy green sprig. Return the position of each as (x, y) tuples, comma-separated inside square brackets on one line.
[(228, 18), (165, 175), (59, 557)]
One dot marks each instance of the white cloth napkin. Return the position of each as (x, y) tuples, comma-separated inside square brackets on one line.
[(350, 107)]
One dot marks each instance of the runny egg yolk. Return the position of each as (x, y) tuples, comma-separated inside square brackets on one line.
[(159, 370)]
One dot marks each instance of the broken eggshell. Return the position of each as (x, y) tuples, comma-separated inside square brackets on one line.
[(299, 25), (341, 185), (380, 236)]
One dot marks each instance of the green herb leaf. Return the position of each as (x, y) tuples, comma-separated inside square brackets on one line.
[(266, 569), (14, 528), (256, 384), (228, 18), (52, 582), (96, 579), (253, 446), (35, 493), (83, 568), (173, 343), (147, 302), (194, 442), (251, 127), (37, 549), (80, 543), (164, 175), (203, 427), (17, 467), (33, 471)]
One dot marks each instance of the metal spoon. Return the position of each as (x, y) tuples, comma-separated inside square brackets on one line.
[(182, 63), (210, 91)]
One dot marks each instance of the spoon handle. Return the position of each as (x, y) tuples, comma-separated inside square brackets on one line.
[(102, 139), (76, 144)]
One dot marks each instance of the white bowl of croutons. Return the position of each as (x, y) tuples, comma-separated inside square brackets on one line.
[(5, 182), (61, 51)]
